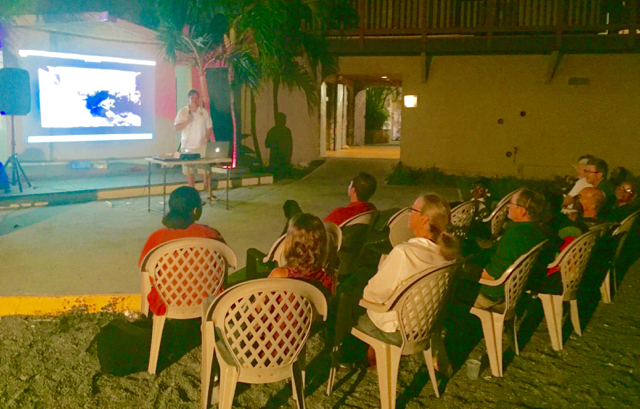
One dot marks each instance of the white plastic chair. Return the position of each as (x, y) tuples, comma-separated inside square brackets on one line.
[(620, 234), (514, 280), (572, 262), (462, 214), (184, 272), (257, 330), (417, 303), (362, 218), (499, 215), (399, 230)]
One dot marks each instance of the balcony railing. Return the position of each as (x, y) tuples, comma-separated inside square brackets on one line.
[(433, 17)]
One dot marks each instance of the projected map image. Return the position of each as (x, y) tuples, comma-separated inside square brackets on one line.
[(72, 97)]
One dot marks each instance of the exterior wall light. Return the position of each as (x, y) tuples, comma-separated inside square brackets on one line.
[(410, 101)]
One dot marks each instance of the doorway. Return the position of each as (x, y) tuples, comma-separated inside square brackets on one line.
[(361, 116)]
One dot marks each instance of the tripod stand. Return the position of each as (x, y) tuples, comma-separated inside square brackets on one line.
[(16, 168)]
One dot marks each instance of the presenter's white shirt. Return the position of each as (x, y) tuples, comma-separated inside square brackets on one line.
[(404, 261), (194, 135)]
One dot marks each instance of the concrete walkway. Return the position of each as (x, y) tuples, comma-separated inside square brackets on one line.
[(92, 248)]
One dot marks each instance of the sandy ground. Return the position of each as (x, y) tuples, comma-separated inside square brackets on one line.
[(47, 362)]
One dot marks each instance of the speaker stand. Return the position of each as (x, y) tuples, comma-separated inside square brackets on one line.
[(16, 168)]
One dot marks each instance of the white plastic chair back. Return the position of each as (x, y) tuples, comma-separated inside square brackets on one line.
[(626, 224), (573, 261), (334, 237), (419, 301), (499, 215), (362, 218), (518, 274), (276, 252), (399, 231), (186, 271), (462, 215)]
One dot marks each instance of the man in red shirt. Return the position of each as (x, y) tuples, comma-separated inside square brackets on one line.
[(361, 188)]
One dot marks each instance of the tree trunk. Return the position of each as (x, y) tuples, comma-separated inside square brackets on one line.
[(203, 88), (254, 133)]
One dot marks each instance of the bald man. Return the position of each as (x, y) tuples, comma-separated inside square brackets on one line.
[(591, 200)]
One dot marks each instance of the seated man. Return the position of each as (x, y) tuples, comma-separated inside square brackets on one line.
[(590, 201), (361, 188), (526, 209), (581, 183), (431, 246), (596, 175)]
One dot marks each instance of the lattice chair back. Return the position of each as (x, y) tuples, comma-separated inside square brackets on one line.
[(334, 237), (276, 252), (462, 215), (186, 271), (573, 261), (626, 224), (264, 324), (399, 231), (418, 303), (518, 274), (499, 215), (362, 218)]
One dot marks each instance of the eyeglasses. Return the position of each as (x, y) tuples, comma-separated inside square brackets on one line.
[(591, 171), (411, 209), (621, 189)]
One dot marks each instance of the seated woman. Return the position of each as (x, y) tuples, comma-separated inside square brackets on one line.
[(432, 246), (185, 208), (305, 252)]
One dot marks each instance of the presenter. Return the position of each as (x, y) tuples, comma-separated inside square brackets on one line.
[(195, 123)]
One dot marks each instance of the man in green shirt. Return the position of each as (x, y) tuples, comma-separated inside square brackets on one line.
[(525, 210)]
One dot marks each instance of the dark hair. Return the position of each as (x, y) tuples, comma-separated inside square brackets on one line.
[(182, 203), (439, 214), (193, 91), (305, 246), (365, 186), (534, 203), (618, 175), (601, 166)]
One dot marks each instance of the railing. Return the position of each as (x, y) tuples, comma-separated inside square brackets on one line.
[(430, 17)]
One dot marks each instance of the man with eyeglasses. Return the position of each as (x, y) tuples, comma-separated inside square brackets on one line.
[(525, 211), (595, 174)]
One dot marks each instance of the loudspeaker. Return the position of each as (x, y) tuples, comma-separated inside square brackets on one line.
[(15, 92)]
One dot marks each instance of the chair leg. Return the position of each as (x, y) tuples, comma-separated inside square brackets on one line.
[(489, 332), (228, 382), (515, 336), (145, 289), (552, 306), (297, 384), (428, 358), (207, 359), (156, 338), (388, 362), (605, 289), (575, 317), (333, 370), (498, 330)]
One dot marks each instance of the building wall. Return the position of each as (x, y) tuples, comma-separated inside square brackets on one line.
[(163, 141), (456, 123), (305, 126)]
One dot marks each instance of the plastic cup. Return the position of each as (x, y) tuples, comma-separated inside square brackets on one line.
[(473, 369)]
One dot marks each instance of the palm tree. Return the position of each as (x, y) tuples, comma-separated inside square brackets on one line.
[(254, 40)]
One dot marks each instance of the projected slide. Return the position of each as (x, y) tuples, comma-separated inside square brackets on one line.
[(88, 98), (72, 97)]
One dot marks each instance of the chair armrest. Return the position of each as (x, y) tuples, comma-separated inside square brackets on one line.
[(373, 306), (498, 281)]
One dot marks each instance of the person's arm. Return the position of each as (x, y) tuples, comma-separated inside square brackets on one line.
[(387, 279), (278, 273), (181, 122), (210, 136), (567, 200), (486, 276)]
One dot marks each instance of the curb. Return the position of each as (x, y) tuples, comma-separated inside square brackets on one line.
[(55, 305)]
